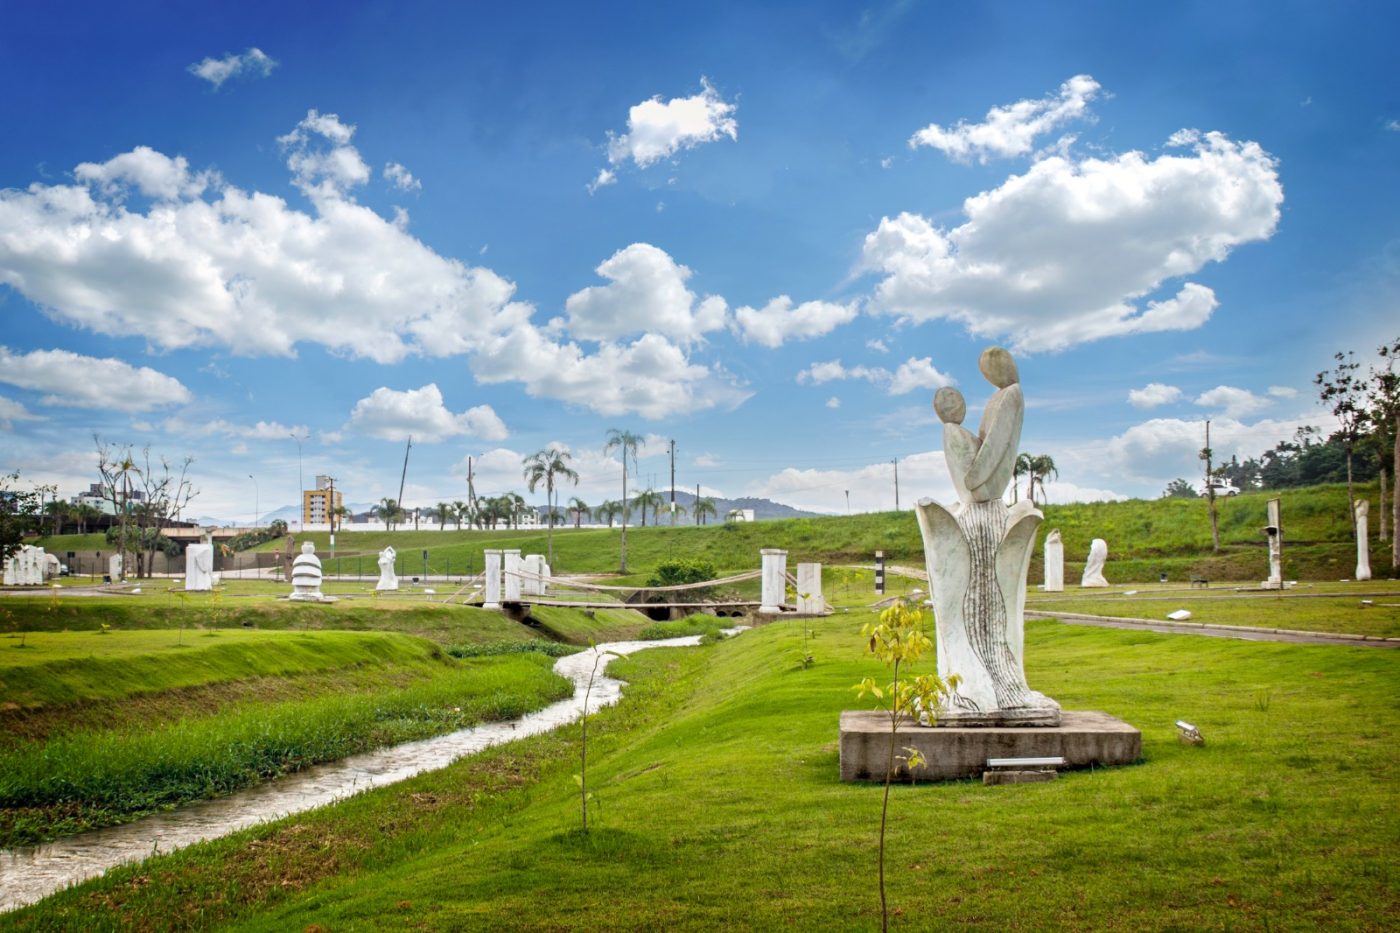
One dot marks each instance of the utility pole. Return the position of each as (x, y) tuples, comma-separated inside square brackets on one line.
[(848, 502), (695, 518), (673, 482), (255, 499), (471, 492), (1206, 455), (330, 509), (404, 476), (895, 461), (301, 480)]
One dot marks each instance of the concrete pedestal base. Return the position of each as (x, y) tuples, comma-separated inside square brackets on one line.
[(1082, 738)]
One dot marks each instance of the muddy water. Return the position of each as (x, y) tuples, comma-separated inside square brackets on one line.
[(30, 873)]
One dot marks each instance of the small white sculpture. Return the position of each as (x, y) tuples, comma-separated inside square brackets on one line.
[(535, 571), (1093, 568), (809, 590), (114, 567), (978, 554), (1054, 562), (388, 579), (199, 566), (306, 575), (774, 580), (1363, 544)]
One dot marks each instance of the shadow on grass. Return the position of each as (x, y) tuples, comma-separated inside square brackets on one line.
[(606, 844)]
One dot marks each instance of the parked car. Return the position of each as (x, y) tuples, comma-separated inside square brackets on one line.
[(1221, 489)]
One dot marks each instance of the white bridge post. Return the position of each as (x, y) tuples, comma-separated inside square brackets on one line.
[(774, 580), (492, 596), (512, 574), (809, 590)]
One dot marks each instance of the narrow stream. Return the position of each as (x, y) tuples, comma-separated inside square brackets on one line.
[(30, 873)]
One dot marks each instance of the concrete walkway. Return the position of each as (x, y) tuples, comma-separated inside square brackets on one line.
[(1245, 632)]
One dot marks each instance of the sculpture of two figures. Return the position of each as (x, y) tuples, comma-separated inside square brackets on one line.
[(978, 554)]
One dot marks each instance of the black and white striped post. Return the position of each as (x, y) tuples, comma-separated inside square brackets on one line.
[(880, 572)]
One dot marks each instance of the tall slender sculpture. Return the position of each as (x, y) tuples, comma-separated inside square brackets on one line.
[(978, 554), (1363, 543), (1054, 562)]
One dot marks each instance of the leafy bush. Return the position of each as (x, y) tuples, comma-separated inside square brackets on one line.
[(552, 649), (678, 571)]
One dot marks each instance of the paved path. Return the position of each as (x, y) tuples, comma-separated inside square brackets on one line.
[(1245, 632)]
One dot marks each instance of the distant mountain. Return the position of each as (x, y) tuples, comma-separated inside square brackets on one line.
[(762, 508)]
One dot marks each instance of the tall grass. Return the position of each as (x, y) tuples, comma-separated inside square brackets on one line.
[(83, 779)]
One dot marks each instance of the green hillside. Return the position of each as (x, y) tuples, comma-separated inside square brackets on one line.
[(1145, 538)]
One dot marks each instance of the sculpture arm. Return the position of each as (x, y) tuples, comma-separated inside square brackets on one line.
[(1001, 432)]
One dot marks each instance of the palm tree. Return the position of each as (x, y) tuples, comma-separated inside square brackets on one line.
[(1024, 462), (607, 511), (545, 465), (59, 511), (627, 443), (341, 512), (579, 508), (444, 512), (1042, 465), (388, 511), (702, 508), (648, 500), (460, 512)]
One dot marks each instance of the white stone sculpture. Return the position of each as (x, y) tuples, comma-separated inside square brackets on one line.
[(25, 567), (774, 580), (536, 573), (1054, 562), (1093, 568), (809, 590), (199, 566), (1363, 544), (978, 554), (513, 566), (306, 575), (388, 579), (491, 596), (114, 567)]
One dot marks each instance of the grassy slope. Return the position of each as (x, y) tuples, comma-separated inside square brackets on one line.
[(72, 667), (719, 805), (1145, 537)]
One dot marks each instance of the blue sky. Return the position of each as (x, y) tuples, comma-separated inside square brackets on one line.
[(768, 234)]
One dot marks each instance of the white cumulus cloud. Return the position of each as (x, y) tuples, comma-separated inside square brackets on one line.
[(1010, 130), (241, 270), (421, 414), (254, 63), (779, 321), (1152, 395), (1232, 402), (646, 292), (1283, 391), (913, 373), (12, 411), (657, 129), (401, 178), (79, 381), (1061, 254)]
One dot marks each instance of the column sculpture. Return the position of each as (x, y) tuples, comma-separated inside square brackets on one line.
[(1054, 562)]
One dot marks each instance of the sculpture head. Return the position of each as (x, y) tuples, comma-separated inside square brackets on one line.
[(308, 548), (999, 368), (949, 405)]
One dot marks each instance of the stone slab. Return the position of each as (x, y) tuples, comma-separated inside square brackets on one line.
[(1083, 738), (993, 778)]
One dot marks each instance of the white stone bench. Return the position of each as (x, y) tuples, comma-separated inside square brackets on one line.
[(1022, 770)]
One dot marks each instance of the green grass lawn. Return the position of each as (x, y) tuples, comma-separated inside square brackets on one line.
[(718, 805), (1295, 609)]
